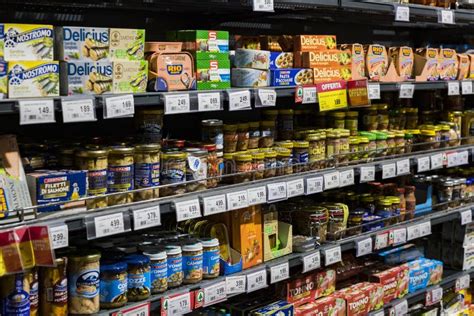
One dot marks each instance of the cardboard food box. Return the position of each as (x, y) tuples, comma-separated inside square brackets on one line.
[(375, 292), (448, 64), (394, 282), (291, 77), (204, 40), (308, 43), (431, 57), (279, 308), (129, 76), (213, 73), (126, 44), (325, 283), (464, 66), (82, 43), (326, 74), (357, 301), (85, 77), (323, 58), (300, 290), (376, 61), (27, 42), (279, 60), (3, 79), (357, 54), (252, 58), (247, 235), (471, 68), (48, 186), (249, 78), (402, 58), (279, 243), (30, 79)]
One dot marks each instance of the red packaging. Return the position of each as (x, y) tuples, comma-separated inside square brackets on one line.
[(326, 306), (301, 290), (375, 291), (325, 283), (394, 282), (357, 302)]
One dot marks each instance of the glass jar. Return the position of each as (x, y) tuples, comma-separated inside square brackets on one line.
[(344, 146), (368, 203), (445, 192), (149, 124), (83, 282), (382, 146), (175, 266), (268, 134), (382, 116), (212, 132), (410, 200), (391, 144), (455, 135), (258, 164), (314, 150), (66, 158), (212, 166), (300, 156), (270, 163), (403, 118), (352, 122), (384, 210), (363, 148), (428, 139), (395, 208), (243, 164), (285, 124), (139, 277), (284, 161), (463, 189), (120, 175), (95, 162), (243, 136), (192, 263), (354, 148), (322, 146), (338, 119), (230, 138), (210, 261), (456, 198), (318, 222), (399, 142), (54, 288), (147, 170), (337, 224), (113, 284), (354, 222), (394, 119), (401, 196), (411, 118), (456, 118), (254, 135), (369, 118), (333, 145), (196, 169), (159, 270), (173, 171), (408, 142), (445, 135)]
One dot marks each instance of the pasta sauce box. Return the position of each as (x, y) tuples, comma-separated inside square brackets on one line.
[(448, 64), (357, 55), (82, 43), (394, 282), (376, 61), (291, 77), (28, 42), (431, 56), (85, 77), (403, 59), (29, 79), (308, 43)]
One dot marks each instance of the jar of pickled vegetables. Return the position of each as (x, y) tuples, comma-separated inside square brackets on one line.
[(408, 142), (212, 165), (382, 116), (411, 118), (333, 145), (351, 122), (354, 148), (391, 145), (372, 146), (318, 222), (147, 171), (120, 175), (363, 148), (369, 118), (399, 142), (445, 135), (212, 132), (382, 146), (344, 146), (428, 139), (314, 150)]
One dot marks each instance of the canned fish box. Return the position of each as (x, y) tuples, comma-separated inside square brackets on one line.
[(126, 44), (27, 42), (129, 76), (29, 79), (291, 77), (213, 73), (82, 43), (85, 77), (3, 79)]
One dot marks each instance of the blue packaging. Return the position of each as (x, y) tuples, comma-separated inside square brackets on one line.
[(139, 280), (111, 288), (192, 263), (291, 77), (281, 60), (48, 186), (419, 274), (211, 256), (280, 308), (175, 265)]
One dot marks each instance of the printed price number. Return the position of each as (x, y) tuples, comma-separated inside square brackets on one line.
[(367, 174), (402, 13), (256, 280), (120, 106), (214, 204), (187, 210), (446, 17), (59, 236), (179, 305), (363, 247), (140, 310), (423, 164), (36, 111), (236, 200), (453, 88), (463, 158), (267, 97), (452, 159), (389, 170), (407, 90), (413, 232), (399, 236), (146, 217), (215, 293), (381, 241), (309, 95), (314, 185), (81, 110), (434, 296), (239, 100), (466, 87), (177, 103), (374, 91), (235, 284), (331, 180), (257, 195), (346, 178), (311, 262), (332, 255), (276, 191), (279, 272), (109, 225), (462, 282), (466, 217), (425, 228), (209, 101), (295, 187), (263, 5), (403, 166), (436, 161), (400, 309)]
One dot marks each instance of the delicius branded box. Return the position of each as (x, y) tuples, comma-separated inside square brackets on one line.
[(326, 74), (27, 42), (129, 76), (29, 79), (309, 43), (82, 43), (126, 44), (85, 77), (323, 58)]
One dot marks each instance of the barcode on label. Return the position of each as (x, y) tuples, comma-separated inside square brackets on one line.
[(32, 117)]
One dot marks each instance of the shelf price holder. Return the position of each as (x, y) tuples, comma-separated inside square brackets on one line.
[(215, 293), (382, 240), (78, 110), (236, 284), (434, 295), (363, 247), (59, 236), (453, 88), (367, 174), (257, 195), (402, 13), (436, 161), (107, 225), (346, 178), (137, 310), (276, 191), (462, 282), (403, 167), (389, 170), (178, 304), (374, 91), (39, 111), (466, 87), (295, 187), (256, 280), (263, 5), (306, 94), (407, 90), (209, 101), (311, 261), (314, 185), (237, 200), (187, 210), (265, 98), (332, 95), (239, 100), (331, 180), (119, 106), (332, 255), (279, 272), (146, 217), (214, 204), (177, 103), (400, 309), (446, 17), (423, 164), (466, 217)]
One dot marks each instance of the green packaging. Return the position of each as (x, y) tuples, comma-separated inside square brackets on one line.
[(203, 40), (126, 44), (213, 73), (129, 76)]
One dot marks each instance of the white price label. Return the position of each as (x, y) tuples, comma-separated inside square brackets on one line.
[(452, 159), (466, 217), (389, 170), (109, 225), (239, 100), (279, 272), (236, 200), (446, 17), (214, 204), (434, 296), (311, 262), (332, 255), (36, 111), (436, 161), (401, 309), (257, 195), (378, 313), (381, 241), (346, 178), (59, 236), (177, 103), (119, 106), (331, 180), (80, 110), (187, 210), (263, 5), (256, 280), (466, 87), (402, 13), (425, 228), (423, 164), (374, 91), (453, 88), (235, 284), (140, 310), (276, 191), (399, 236), (215, 293), (314, 185), (295, 188), (209, 101), (267, 97), (413, 232), (146, 217), (403, 166), (407, 90), (462, 282), (463, 158), (309, 95), (363, 247), (179, 305), (367, 174)]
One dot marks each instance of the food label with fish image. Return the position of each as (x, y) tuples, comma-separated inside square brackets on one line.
[(29, 79), (129, 76), (127, 44), (85, 284), (82, 43), (28, 42), (86, 77)]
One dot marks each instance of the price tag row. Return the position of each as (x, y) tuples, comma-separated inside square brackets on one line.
[(457, 158)]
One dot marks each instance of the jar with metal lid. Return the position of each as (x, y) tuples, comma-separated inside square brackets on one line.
[(399, 142), (15, 293), (456, 118), (457, 194), (363, 148), (138, 277), (113, 284), (284, 161), (411, 118), (243, 136), (322, 147), (270, 163), (300, 156), (53, 288), (344, 146), (212, 132), (314, 151), (354, 148), (338, 119), (391, 145), (369, 119), (149, 124), (382, 146), (318, 223), (212, 165), (395, 208), (120, 173), (196, 169), (403, 118), (382, 116), (95, 162), (230, 138), (427, 139), (409, 140), (354, 221), (455, 135), (445, 135), (229, 167), (173, 171), (243, 164), (158, 270), (258, 164), (147, 170), (372, 143), (83, 281), (285, 124), (210, 258), (384, 210), (445, 192), (394, 119), (66, 158), (368, 203), (175, 266), (401, 197), (352, 122), (268, 133), (333, 145), (410, 201), (192, 262), (337, 222), (254, 135), (463, 189)]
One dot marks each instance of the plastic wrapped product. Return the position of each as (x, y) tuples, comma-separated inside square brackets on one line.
[(252, 58), (248, 78)]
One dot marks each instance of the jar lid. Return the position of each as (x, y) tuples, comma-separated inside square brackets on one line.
[(92, 153), (363, 140), (282, 152), (301, 144), (86, 255), (381, 106), (193, 247), (338, 114), (318, 217), (428, 132), (156, 255), (381, 136), (390, 134), (136, 259), (447, 183), (112, 266), (394, 199), (211, 242), (229, 156), (312, 137), (411, 110), (147, 147), (212, 122), (254, 124), (385, 202), (345, 132), (367, 198), (173, 155), (270, 154), (258, 155), (445, 127), (243, 157), (286, 112), (267, 124), (230, 127), (195, 151), (173, 250), (352, 114), (353, 140), (121, 150), (413, 131), (288, 144)]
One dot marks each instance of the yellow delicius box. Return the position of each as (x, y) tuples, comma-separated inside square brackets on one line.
[(29, 79), (27, 41)]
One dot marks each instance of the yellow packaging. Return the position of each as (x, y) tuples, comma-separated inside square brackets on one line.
[(27, 42), (309, 43), (464, 66), (448, 64), (30, 79), (25, 246), (402, 57), (322, 74), (322, 58), (356, 51), (376, 61), (247, 235)]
